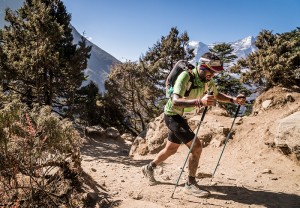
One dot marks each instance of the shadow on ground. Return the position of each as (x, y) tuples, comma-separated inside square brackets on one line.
[(110, 150), (254, 197)]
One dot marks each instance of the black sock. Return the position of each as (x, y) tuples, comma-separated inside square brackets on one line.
[(191, 180), (151, 166)]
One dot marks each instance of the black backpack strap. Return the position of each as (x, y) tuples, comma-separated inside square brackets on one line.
[(192, 77)]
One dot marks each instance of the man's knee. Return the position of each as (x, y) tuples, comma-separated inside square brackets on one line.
[(171, 150), (197, 148)]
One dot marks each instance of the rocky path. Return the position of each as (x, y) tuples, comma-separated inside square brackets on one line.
[(252, 173), (118, 177)]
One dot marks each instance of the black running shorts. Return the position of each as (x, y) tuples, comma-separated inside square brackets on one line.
[(179, 130)]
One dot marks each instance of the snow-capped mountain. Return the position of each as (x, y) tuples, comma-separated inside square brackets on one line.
[(99, 64), (242, 48)]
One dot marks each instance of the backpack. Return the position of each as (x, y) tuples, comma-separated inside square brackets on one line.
[(178, 68)]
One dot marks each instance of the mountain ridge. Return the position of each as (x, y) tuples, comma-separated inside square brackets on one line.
[(241, 48), (99, 64)]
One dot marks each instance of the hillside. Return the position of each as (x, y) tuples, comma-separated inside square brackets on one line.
[(252, 171), (99, 64)]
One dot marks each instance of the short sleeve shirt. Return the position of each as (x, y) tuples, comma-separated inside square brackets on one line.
[(181, 85)]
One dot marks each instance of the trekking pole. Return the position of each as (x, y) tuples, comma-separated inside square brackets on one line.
[(190, 150), (227, 138)]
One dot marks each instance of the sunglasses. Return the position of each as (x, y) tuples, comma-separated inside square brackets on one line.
[(206, 67)]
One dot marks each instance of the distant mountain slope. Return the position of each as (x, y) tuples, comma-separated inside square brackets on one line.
[(99, 63)]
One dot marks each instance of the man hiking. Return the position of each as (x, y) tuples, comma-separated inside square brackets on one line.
[(179, 130)]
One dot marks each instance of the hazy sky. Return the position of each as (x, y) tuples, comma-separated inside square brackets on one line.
[(128, 28)]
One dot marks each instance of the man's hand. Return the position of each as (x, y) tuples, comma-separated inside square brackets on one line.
[(208, 100), (240, 99)]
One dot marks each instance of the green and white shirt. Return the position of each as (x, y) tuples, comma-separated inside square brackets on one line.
[(181, 86)]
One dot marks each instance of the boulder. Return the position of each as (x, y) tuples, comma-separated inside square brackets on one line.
[(112, 132), (154, 140), (94, 131), (288, 134), (127, 137), (266, 104)]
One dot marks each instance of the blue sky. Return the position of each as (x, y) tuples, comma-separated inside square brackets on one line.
[(128, 28)]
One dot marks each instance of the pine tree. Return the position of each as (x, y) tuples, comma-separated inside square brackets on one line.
[(137, 89), (85, 104), (225, 82), (128, 89), (224, 52), (160, 59), (277, 61), (40, 62)]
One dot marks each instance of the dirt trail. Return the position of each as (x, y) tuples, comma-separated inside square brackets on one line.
[(250, 174), (239, 182)]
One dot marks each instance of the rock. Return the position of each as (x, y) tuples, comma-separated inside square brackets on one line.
[(94, 130), (266, 171), (129, 143), (135, 145), (203, 175), (213, 183), (222, 130), (289, 98), (92, 196), (154, 139), (219, 111), (286, 89), (266, 104), (156, 135), (112, 132), (93, 169), (166, 177), (127, 137), (136, 196), (143, 148), (238, 120), (216, 142), (288, 134)]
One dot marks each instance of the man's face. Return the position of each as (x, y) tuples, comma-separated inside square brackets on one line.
[(209, 74), (206, 74)]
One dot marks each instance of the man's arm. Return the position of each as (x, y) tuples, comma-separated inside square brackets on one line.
[(178, 101), (240, 99)]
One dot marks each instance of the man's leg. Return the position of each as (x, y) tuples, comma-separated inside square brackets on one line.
[(194, 160), (191, 187), (170, 149)]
